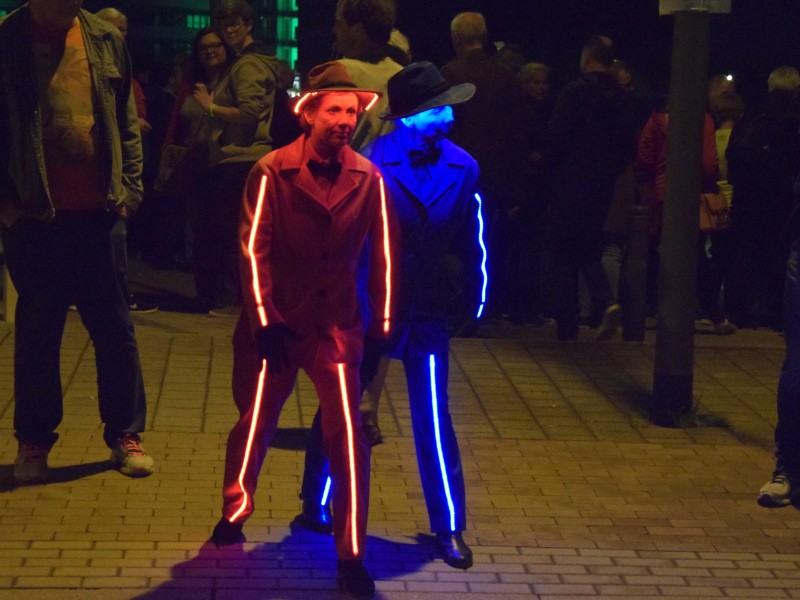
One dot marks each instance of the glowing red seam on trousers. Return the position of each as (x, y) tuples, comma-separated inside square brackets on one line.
[(262, 314), (250, 436), (388, 257), (352, 460)]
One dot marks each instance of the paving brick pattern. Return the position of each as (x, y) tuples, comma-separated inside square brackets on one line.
[(571, 491)]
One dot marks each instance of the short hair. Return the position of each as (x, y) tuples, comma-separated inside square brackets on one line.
[(110, 13), (469, 27), (399, 48), (376, 16), (230, 9), (783, 78), (530, 69), (727, 106), (600, 50)]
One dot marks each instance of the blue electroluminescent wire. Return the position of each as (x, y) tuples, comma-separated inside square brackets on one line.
[(326, 492), (439, 449), (483, 259)]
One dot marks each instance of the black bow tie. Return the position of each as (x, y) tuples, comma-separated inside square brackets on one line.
[(428, 156), (321, 169)]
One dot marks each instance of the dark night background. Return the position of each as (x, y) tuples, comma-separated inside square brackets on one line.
[(758, 36)]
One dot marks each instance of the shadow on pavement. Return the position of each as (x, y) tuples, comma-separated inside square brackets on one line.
[(302, 566), (57, 474)]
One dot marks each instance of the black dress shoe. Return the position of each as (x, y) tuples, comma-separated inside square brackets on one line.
[(315, 517), (227, 533), (455, 551), (355, 579)]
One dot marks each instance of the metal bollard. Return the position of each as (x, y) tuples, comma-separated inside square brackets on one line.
[(635, 274)]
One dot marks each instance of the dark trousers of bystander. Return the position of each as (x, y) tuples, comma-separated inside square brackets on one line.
[(214, 219), (787, 441), (52, 265)]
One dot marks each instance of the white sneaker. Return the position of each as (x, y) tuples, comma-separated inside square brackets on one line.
[(612, 319), (130, 458), (31, 464), (777, 491)]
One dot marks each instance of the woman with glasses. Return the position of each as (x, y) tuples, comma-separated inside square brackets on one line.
[(238, 119), (188, 125)]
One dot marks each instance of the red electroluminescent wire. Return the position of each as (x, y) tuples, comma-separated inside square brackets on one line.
[(351, 458)]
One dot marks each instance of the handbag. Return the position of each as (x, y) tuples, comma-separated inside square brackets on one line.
[(715, 214)]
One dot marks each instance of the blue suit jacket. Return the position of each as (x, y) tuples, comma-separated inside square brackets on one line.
[(441, 276)]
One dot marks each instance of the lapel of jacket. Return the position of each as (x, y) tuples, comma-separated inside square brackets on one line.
[(449, 168), (305, 182), (346, 182)]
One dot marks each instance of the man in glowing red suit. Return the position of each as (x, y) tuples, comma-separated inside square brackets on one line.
[(310, 209)]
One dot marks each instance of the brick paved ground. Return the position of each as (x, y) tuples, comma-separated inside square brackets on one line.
[(571, 491)]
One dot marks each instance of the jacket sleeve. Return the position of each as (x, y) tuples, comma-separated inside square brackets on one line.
[(648, 149), (253, 87), (130, 137), (384, 260), (471, 249), (255, 239)]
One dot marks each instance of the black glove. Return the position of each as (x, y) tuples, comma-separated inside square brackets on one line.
[(373, 350), (271, 345)]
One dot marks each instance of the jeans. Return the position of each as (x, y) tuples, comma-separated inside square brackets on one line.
[(69, 261), (787, 440)]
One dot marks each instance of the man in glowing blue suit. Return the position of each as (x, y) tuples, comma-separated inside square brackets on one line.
[(433, 185)]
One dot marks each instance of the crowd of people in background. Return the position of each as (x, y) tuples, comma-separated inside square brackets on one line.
[(560, 170)]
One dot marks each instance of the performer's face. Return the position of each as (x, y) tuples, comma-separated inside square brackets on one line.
[(334, 120), (431, 124)]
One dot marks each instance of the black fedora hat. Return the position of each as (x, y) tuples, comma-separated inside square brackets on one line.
[(420, 87)]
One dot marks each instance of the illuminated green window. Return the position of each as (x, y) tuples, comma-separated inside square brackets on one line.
[(287, 5), (197, 21)]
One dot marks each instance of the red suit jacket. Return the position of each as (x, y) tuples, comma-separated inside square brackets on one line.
[(299, 253)]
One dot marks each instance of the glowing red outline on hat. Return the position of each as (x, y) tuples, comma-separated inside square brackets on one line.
[(308, 95)]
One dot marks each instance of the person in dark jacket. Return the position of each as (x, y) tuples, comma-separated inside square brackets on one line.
[(763, 154), (70, 169), (592, 137), (434, 187), (490, 128)]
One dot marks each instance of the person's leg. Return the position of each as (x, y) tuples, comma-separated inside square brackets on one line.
[(786, 477), (438, 455), (119, 253), (35, 257), (259, 396), (370, 402), (345, 444), (337, 386), (315, 491), (563, 265), (206, 250), (104, 312)]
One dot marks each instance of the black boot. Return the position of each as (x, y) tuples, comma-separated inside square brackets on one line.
[(227, 533), (315, 517), (455, 551), (355, 579)]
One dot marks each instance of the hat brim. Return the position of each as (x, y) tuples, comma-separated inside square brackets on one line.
[(366, 98), (457, 94)]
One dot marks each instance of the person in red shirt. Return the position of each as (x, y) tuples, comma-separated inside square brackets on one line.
[(310, 209)]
